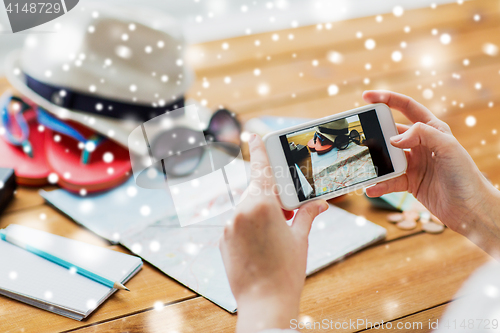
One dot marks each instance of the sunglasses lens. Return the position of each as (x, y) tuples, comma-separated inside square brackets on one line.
[(171, 147), (184, 163), (225, 128), (342, 141), (354, 135)]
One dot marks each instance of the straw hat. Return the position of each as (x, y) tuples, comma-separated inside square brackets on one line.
[(332, 129), (105, 62)]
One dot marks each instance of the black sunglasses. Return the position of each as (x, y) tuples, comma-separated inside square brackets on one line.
[(223, 133), (342, 141)]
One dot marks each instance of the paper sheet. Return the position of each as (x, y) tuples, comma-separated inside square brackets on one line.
[(112, 214)]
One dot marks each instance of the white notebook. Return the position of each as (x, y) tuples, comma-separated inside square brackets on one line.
[(34, 280)]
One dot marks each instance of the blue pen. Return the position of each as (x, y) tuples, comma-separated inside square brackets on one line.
[(108, 283)]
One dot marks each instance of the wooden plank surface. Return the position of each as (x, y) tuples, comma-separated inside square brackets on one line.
[(191, 316), (412, 275), (423, 321), (385, 282), (24, 197), (392, 280), (317, 103), (244, 54), (282, 75), (301, 81), (357, 203)]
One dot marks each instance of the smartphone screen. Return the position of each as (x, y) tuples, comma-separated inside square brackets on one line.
[(335, 155)]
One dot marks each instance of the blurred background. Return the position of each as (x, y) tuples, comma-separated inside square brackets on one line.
[(208, 20)]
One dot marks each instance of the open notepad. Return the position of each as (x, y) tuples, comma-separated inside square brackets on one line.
[(34, 280)]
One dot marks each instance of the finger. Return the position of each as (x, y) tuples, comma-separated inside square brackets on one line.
[(413, 110), (306, 215), (288, 214), (397, 184), (259, 163), (402, 128), (421, 134)]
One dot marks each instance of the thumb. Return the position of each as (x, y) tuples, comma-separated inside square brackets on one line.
[(305, 216), (420, 134)]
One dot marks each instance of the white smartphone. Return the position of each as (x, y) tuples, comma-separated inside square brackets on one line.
[(334, 155)]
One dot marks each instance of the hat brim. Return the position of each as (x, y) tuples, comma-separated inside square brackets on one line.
[(330, 137), (121, 127)]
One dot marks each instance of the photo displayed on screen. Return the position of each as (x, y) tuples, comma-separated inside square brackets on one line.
[(335, 155)]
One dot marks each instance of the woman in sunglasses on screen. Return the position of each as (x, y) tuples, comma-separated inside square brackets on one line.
[(265, 259)]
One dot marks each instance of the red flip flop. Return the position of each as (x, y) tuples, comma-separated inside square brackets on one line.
[(83, 161), (322, 145), (22, 142), (311, 145)]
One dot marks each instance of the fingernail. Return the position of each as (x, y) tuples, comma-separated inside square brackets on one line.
[(323, 208), (252, 137), (397, 138)]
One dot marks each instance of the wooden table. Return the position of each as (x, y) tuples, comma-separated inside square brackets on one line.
[(411, 276)]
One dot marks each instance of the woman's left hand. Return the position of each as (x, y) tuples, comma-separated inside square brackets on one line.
[(265, 259)]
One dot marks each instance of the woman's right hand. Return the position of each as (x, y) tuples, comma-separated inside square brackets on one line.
[(441, 174)]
